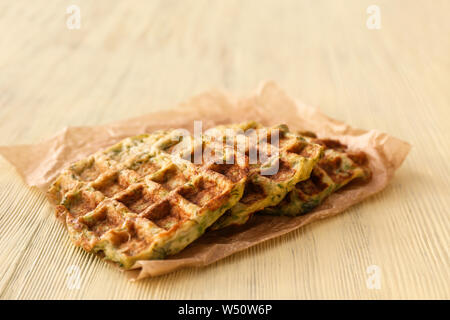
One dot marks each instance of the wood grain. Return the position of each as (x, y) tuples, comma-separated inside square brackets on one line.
[(127, 60)]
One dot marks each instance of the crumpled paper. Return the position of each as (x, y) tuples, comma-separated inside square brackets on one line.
[(39, 164)]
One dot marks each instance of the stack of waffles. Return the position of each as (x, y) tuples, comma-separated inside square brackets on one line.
[(150, 196)]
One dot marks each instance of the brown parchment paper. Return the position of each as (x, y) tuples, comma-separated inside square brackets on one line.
[(40, 163)]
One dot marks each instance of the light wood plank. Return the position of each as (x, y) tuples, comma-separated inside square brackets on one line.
[(128, 60)]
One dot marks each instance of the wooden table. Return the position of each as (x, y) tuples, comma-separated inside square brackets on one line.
[(128, 59)]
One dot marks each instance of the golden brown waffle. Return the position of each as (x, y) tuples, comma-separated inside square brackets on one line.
[(336, 169), (134, 201), (293, 158)]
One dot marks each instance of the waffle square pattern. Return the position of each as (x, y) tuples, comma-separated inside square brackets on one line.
[(134, 201)]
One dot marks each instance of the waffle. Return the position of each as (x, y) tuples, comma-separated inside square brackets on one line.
[(337, 168), (294, 158), (137, 201)]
